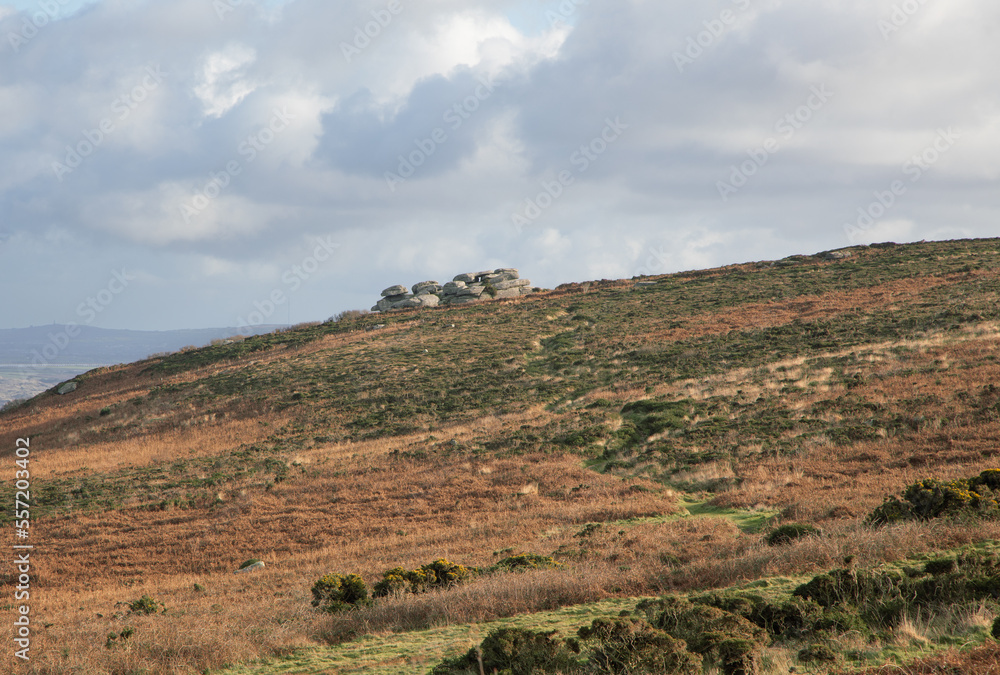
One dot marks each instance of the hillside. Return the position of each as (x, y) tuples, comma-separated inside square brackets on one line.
[(644, 434), (35, 359)]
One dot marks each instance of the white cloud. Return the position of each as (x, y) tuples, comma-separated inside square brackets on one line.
[(224, 80)]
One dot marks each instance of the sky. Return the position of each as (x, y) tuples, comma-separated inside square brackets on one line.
[(202, 163)]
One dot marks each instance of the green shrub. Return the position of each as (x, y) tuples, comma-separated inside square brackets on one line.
[(634, 646), (989, 479), (817, 653), (115, 639), (145, 605), (739, 656), (891, 511), (514, 651), (940, 566), (526, 561), (336, 592), (841, 621), (788, 533), (995, 631), (439, 574), (932, 498), (704, 628), (788, 618), (865, 599)]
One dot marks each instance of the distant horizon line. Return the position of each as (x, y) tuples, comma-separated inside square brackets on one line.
[(153, 330)]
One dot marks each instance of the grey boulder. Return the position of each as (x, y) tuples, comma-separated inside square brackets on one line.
[(398, 289)]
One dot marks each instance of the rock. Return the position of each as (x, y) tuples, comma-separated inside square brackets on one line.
[(645, 284), (834, 255), (259, 565), (394, 290), (428, 300), (385, 304), (472, 289), (66, 388), (504, 282), (513, 283), (463, 299)]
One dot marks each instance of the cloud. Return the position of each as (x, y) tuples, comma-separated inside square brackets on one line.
[(224, 80), (416, 151)]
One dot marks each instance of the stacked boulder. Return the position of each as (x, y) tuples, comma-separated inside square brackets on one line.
[(505, 282)]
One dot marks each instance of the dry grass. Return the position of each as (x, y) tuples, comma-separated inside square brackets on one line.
[(983, 660), (486, 599)]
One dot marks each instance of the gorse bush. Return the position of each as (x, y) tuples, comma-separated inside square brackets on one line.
[(515, 651), (525, 561), (626, 646), (880, 599), (439, 574), (787, 618), (721, 638), (931, 498), (145, 605), (336, 592), (788, 533)]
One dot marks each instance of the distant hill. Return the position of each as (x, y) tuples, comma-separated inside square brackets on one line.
[(36, 358)]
